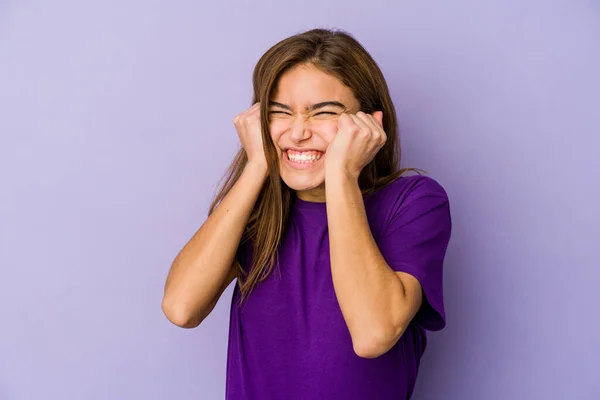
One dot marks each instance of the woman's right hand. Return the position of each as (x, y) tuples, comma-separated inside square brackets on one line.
[(249, 131)]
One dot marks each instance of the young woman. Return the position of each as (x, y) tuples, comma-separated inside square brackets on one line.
[(337, 252)]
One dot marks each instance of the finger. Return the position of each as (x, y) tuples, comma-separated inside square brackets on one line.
[(253, 109), (376, 123), (242, 116), (376, 129), (363, 125), (375, 132), (367, 119), (378, 116), (344, 120)]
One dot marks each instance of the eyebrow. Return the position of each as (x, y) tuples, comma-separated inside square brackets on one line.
[(311, 107)]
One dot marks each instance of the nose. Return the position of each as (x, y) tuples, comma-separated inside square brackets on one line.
[(300, 129)]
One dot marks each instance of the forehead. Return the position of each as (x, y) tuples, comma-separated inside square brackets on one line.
[(305, 84)]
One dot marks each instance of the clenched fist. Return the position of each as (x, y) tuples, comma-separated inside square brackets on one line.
[(358, 139), (247, 125)]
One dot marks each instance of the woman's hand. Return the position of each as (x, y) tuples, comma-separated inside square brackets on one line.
[(357, 141), (249, 131)]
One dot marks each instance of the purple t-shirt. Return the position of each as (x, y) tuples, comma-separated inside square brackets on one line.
[(289, 339)]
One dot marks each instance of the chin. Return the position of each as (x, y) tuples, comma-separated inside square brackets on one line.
[(302, 180), (300, 183)]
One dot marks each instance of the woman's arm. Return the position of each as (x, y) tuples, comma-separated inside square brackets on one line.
[(377, 303), (204, 267)]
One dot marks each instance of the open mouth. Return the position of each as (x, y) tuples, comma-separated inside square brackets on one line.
[(304, 157)]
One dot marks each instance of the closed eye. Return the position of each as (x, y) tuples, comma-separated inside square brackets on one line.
[(283, 112)]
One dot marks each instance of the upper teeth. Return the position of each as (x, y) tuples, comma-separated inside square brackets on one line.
[(308, 156)]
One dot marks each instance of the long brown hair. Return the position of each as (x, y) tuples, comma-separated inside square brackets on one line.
[(339, 54)]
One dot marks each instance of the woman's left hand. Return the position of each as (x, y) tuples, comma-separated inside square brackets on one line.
[(357, 141)]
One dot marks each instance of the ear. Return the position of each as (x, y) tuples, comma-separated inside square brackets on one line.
[(378, 115)]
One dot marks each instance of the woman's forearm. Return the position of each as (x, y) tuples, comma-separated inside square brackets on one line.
[(369, 293), (203, 268)]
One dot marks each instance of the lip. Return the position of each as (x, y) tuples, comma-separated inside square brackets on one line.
[(284, 149), (298, 165)]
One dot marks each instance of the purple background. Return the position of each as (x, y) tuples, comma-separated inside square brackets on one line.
[(116, 124)]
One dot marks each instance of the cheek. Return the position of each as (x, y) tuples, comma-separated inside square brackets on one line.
[(326, 129), (276, 129), (279, 125)]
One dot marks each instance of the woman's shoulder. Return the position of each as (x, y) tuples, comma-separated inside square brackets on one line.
[(409, 188), (416, 205)]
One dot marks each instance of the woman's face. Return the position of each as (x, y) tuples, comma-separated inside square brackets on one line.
[(303, 118)]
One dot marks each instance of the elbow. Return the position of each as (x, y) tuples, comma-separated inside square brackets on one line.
[(376, 342), (179, 315), (366, 350), (370, 348)]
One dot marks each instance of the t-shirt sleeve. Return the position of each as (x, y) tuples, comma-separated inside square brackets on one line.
[(415, 240)]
